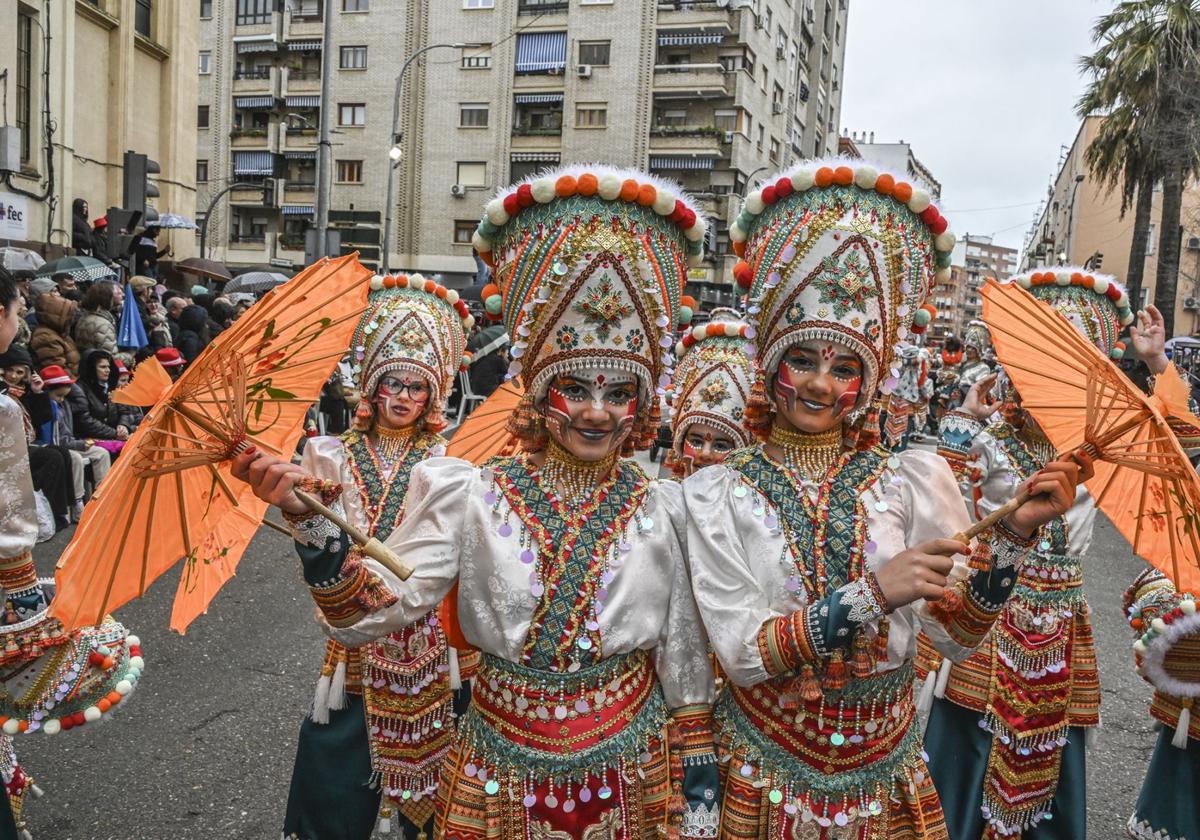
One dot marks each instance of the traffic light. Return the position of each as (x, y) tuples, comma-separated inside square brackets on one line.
[(1097, 261), (137, 185), (120, 237), (268, 192)]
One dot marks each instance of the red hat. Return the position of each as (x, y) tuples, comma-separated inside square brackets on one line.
[(169, 357), (120, 366), (53, 375), (102, 221)]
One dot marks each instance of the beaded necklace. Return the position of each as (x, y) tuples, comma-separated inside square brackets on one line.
[(389, 446), (808, 457), (570, 480)]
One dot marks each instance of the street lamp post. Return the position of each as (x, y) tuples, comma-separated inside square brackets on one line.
[(1065, 254), (324, 147), (395, 153)]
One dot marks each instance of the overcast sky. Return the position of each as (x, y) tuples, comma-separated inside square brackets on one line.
[(984, 90)]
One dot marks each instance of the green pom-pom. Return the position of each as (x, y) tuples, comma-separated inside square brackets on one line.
[(921, 317), (943, 259), (494, 304), (1117, 353), (685, 315), (696, 247), (487, 229)]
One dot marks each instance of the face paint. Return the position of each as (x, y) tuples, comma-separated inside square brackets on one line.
[(592, 411), (400, 400), (817, 383), (704, 446)]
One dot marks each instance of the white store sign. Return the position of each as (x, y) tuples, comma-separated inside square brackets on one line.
[(14, 216)]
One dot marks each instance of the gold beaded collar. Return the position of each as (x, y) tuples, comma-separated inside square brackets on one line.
[(808, 455), (571, 478)]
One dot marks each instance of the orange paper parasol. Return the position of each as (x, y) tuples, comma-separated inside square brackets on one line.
[(1081, 400), (484, 433), (171, 496)]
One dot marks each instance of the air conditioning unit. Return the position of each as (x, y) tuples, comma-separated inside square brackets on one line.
[(776, 108), (458, 190), (780, 52), (758, 22), (1191, 303), (1193, 243), (584, 71), (728, 136)]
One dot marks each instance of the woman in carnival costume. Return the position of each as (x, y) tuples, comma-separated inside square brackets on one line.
[(713, 377), (590, 715), (381, 719), (907, 407), (1167, 653), (815, 552), (50, 680), (1005, 765)]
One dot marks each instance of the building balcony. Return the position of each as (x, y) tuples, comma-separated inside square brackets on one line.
[(694, 14), (688, 139), (250, 138), (263, 24), (251, 195), (536, 142), (299, 192), (254, 81), (689, 81), (302, 81), (542, 7), (300, 138)]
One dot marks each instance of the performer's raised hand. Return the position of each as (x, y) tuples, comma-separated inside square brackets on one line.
[(272, 479), (1053, 489), (922, 571), (1149, 339), (978, 402)]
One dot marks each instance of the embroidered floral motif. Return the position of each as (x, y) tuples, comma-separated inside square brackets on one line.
[(714, 393), (315, 531), (567, 338), (846, 284), (860, 597), (603, 308)]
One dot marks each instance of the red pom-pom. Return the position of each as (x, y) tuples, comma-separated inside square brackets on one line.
[(511, 204), (679, 213), (689, 218), (78, 719), (67, 723), (743, 274), (1113, 293), (939, 226), (783, 187), (769, 195), (929, 215), (525, 195)]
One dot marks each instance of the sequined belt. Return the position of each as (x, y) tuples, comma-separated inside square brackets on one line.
[(839, 747), (18, 573), (1043, 571), (554, 725)]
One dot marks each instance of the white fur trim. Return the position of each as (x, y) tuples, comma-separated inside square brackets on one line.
[(1156, 651), (811, 166), (605, 174)]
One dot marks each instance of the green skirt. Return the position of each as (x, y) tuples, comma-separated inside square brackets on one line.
[(1167, 808), (958, 753)]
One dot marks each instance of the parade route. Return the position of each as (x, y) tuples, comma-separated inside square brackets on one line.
[(206, 750)]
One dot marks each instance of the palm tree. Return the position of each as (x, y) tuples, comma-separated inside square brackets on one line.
[(1144, 74)]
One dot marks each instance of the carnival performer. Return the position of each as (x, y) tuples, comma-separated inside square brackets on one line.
[(590, 715), (1167, 653), (950, 366), (1004, 763), (381, 720), (50, 680), (713, 375), (816, 554), (907, 407), (977, 345)]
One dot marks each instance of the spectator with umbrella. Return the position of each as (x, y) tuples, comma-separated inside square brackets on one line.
[(51, 342), (146, 252), (67, 287), (131, 332), (97, 326)]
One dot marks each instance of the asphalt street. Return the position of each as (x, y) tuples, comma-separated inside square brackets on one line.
[(205, 749)]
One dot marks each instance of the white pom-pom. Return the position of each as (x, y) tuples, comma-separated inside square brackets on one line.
[(865, 177), (699, 331), (451, 296), (803, 180), (1025, 282), (1127, 319), (1062, 278), (133, 641), (1158, 626), (468, 322), (944, 241), (695, 260), (11, 726), (736, 234), (376, 283), (480, 244), (123, 687), (609, 187), (416, 281), (679, 348), (1139, 647), (1123, 300), (919, 201), (696, 232), (664, 202), (942, 275), (731, 329), (52, 727), (137, 662), (92, 714), (1099, 285), (754, 203), (496, 213), (1187, 606), (543, 190)]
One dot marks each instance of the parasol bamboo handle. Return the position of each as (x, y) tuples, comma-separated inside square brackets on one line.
[(370, 546)]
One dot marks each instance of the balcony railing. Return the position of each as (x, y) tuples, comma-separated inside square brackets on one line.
[(539, 7), (303, 75), (527, 131), (686, 131), (257, 73), (248, 239), (248, 132)]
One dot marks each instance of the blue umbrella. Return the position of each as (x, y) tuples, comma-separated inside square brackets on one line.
[(131, 333)]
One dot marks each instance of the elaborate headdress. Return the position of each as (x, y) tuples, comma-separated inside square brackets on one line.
[(978, 336), (841, 251), (1096, 304), (590, 264), (412, 324), (713, 377)]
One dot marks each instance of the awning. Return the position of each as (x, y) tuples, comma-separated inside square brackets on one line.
[(303, 101), (253, 163), (535, 157), (297, 210), (689, 39), (257, 102), (255, 43), (680, 162), (300, 155), (537, 98), (541, 51), (303, 46)]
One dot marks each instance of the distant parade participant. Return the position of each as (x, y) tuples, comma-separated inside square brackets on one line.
[(949, 368), (1167, 655), (1005, 764), (590, 716), (907, 407), (817, 555), (382, 721), (713, 375), (977, 345)]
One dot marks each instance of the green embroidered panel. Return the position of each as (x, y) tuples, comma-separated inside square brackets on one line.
[(383, 501)]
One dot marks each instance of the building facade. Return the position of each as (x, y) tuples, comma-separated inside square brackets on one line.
[(1082, 219), (897, 157), (711, 93), (87, 81)]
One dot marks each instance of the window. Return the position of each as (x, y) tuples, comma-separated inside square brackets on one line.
[(349, 171), (201, 171), (733, 62), (206, 8), (595, 2), (594, 53), (1150, 240), (24, 83), (143, 15), (478, 59), (356, 5), (479, 4), (472, 174), (766, 78), (591, 115), (205, 62), (354, 113), (472, 115), (762, 132), (670, 118), (732, 119), (777, 99), (774, 153), (251, 12), (464, 231), (305, 9), (353, 58), (202, 116)]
